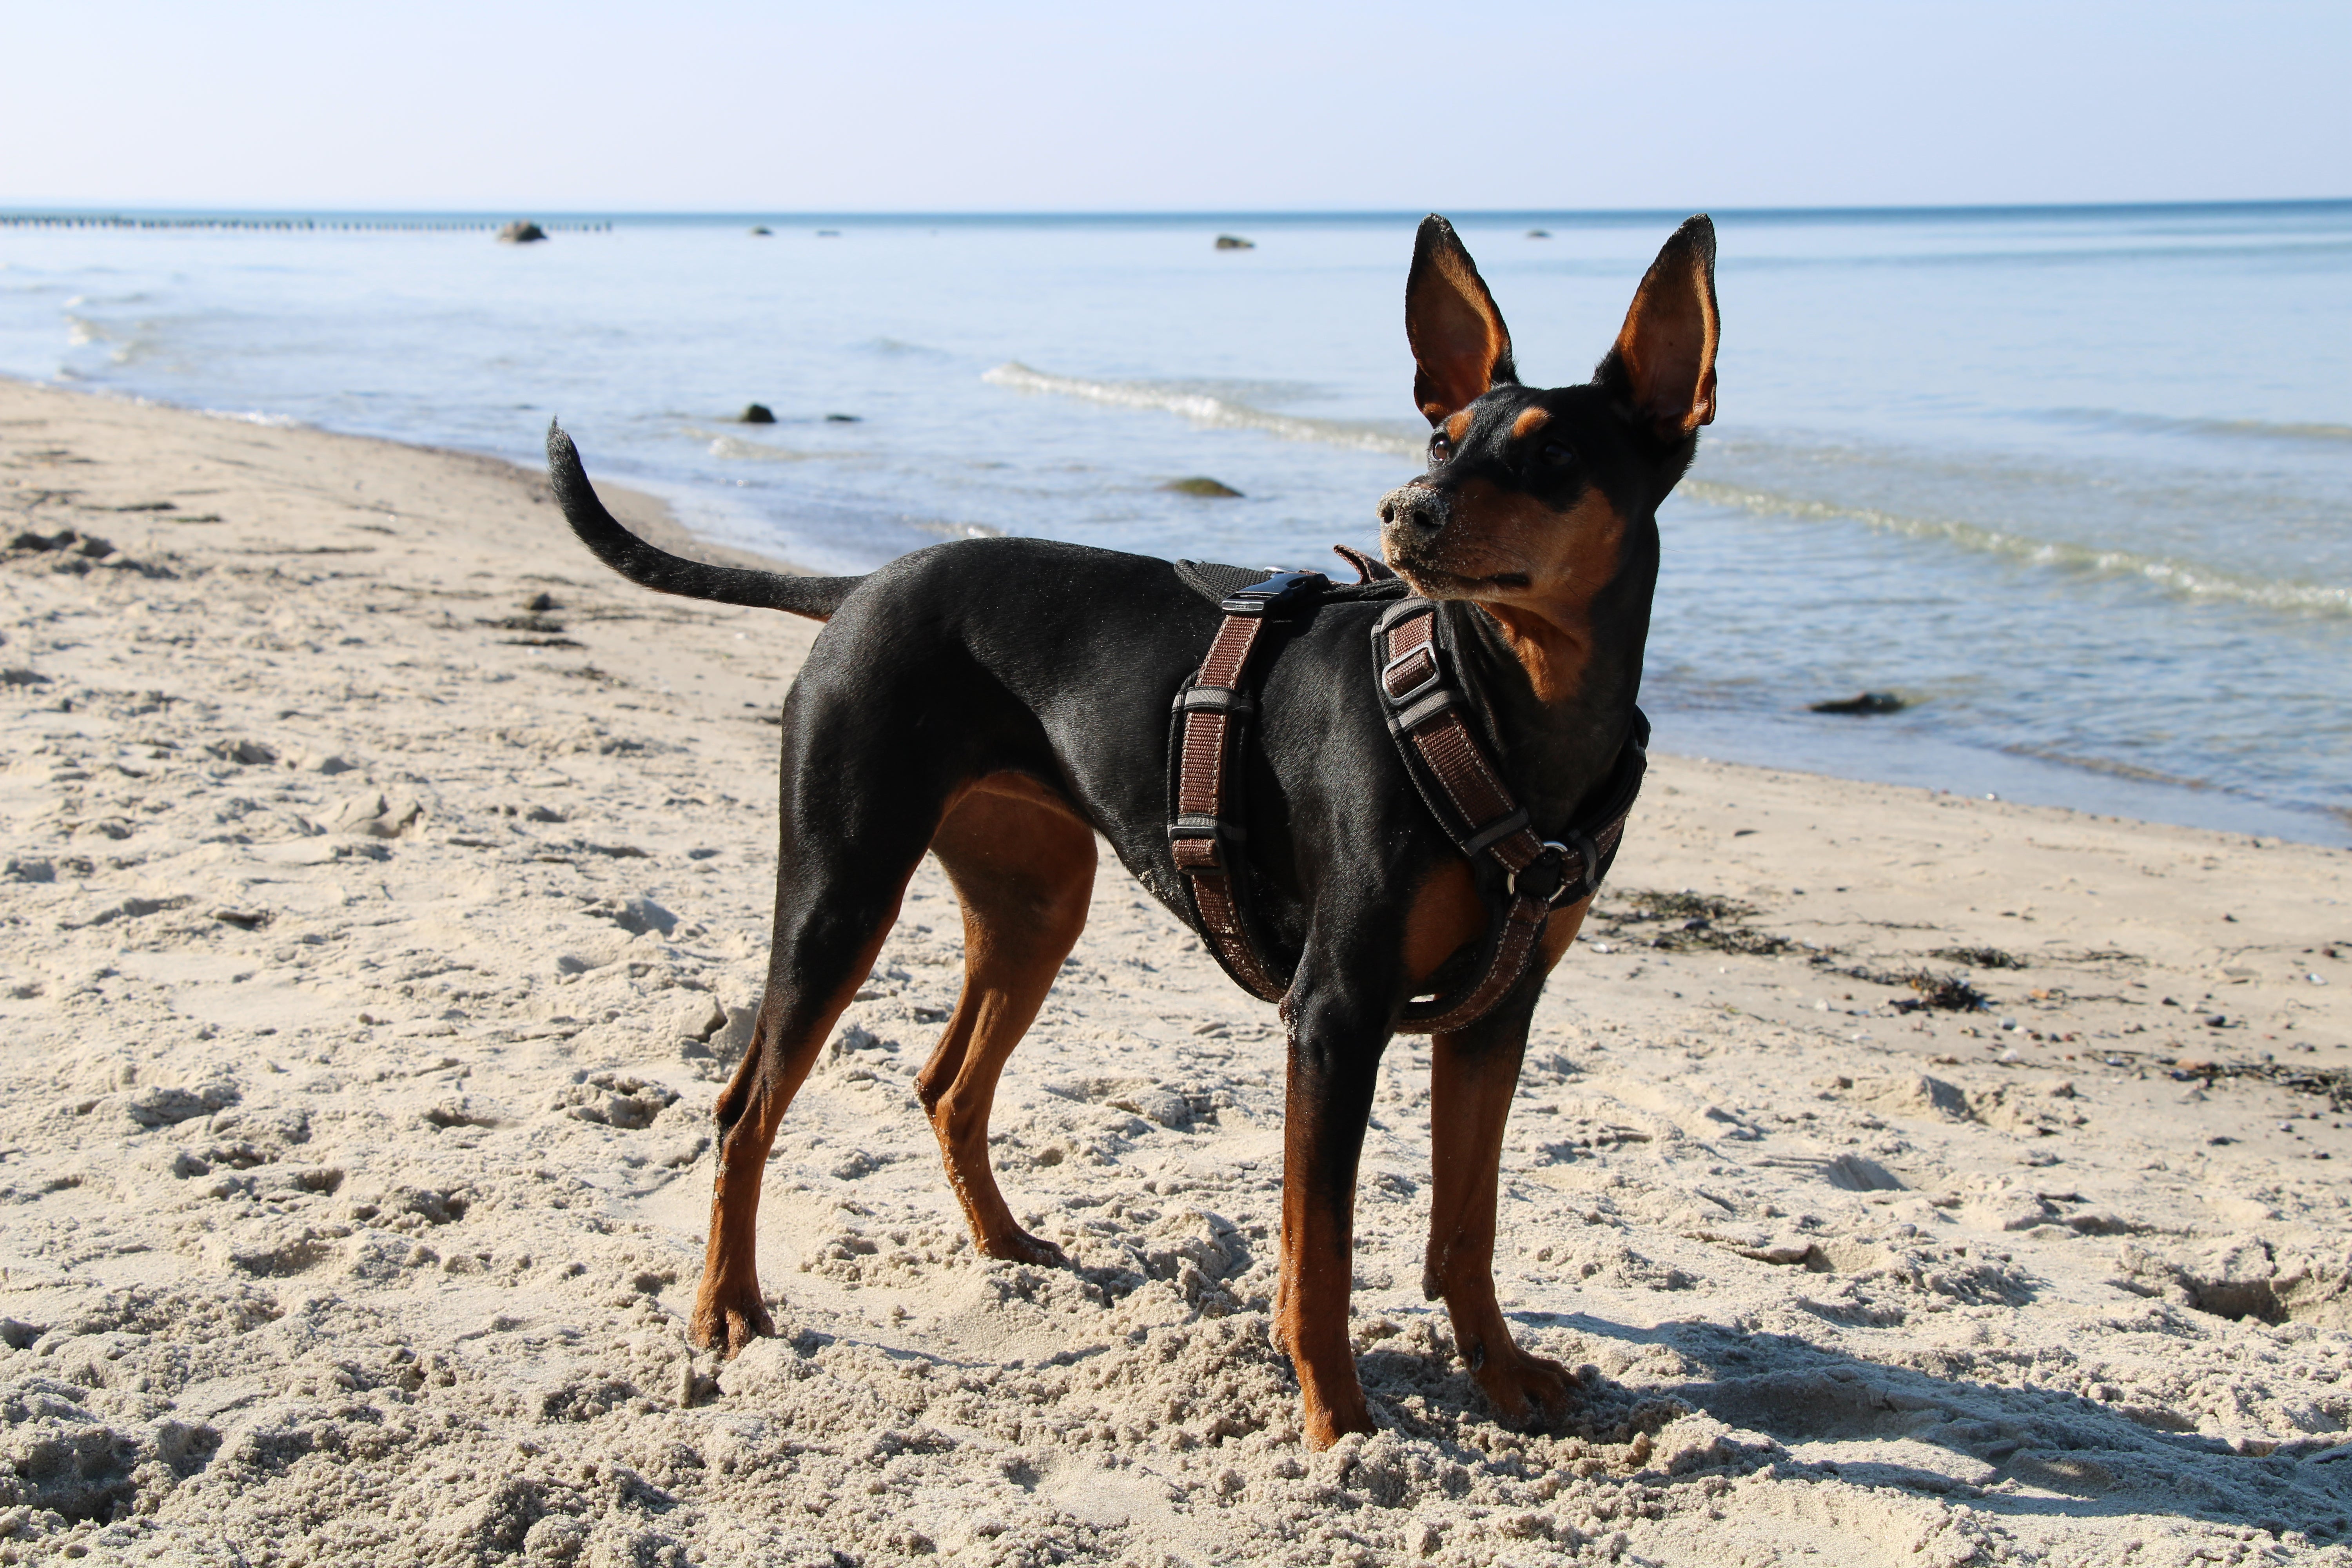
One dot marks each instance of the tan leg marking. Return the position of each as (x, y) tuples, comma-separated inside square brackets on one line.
[(1023, 864)]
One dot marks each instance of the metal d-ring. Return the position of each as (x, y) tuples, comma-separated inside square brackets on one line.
[(1583, 883)]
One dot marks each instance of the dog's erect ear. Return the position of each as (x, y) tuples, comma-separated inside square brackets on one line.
[(1459, 341), (1663, 362)]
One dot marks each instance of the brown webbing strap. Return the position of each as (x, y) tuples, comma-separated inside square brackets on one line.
[(1201, 837), (1428, 715)]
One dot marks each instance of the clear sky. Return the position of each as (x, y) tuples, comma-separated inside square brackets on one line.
[(897, 105)]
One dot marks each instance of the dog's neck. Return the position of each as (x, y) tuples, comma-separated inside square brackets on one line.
[(1558, 749)]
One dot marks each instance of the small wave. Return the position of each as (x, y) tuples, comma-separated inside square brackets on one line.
[(234, 415), (2186, 578), (1206, 408), (2107, 765), (2166, 424), (121, 348), (741, 450)]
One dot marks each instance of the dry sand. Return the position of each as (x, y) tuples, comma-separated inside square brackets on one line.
[(372, 940)]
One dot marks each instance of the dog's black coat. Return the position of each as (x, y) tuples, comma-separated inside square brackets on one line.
[(1059, 661)]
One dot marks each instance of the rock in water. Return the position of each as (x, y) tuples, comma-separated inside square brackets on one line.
[(523, 231), (1235, 242), (758, 414), (844, 418), (761, 228), (1868, 702), (1201, 485)]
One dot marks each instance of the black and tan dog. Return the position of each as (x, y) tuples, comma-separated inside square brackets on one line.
[(1000, 703)]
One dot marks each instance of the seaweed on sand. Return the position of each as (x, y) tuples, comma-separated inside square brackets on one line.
[(1695, 921), (1979, 957)]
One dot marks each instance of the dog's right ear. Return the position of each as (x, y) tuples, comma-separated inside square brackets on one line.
[(1460, 346)]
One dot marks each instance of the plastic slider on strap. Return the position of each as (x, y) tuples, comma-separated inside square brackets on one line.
[(1215, 699), (1199, 842), (1495, 832), (1442, 701), (1276, 591)]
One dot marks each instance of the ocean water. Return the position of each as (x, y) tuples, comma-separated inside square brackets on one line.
[(2075, 483)]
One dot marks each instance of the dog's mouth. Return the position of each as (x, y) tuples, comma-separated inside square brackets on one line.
[(1436, 583)]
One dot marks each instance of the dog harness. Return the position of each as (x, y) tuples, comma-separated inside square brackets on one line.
[(1433, 721)]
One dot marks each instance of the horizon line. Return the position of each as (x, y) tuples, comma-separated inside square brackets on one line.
[(14, 213)]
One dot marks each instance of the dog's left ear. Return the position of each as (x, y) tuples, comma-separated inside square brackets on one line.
[(1460, 346), (1663, 362)]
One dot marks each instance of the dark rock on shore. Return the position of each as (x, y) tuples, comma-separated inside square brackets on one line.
[(761, 228), (521, 232), (1201, 485), (1235, 242), (842, 418), (758, 414), (1867, 702), (85, 545), (1539, 234)]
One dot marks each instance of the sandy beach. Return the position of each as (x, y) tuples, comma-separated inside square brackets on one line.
[(385, 885)]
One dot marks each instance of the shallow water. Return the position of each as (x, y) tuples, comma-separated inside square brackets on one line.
[(2077, 483)]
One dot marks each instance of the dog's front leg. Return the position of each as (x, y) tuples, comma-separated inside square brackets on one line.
[(1472, 1077), (1335, 1053)]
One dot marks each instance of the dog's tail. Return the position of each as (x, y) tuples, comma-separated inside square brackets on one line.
[(815, 597)]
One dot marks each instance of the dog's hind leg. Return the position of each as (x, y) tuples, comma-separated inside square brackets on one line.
[(1023, 865), (836, 901)]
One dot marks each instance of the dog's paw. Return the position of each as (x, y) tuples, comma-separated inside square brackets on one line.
[(726, 1320), (1327, 1419), (1018, 1247), (1525, 1390)]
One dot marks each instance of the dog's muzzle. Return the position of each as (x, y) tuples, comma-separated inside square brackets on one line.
[(1413, 513)]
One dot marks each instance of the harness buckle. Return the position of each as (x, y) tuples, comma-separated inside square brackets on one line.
[(1276, 591)]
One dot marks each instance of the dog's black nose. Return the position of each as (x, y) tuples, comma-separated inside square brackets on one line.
[(1417, 507)]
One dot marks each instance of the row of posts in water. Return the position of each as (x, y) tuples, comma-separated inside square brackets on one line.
[(288, 225)]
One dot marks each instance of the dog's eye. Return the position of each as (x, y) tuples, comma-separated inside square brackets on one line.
[(1551, 454), (1440, 446)]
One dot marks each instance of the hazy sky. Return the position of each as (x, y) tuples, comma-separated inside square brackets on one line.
[(705, 104)]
